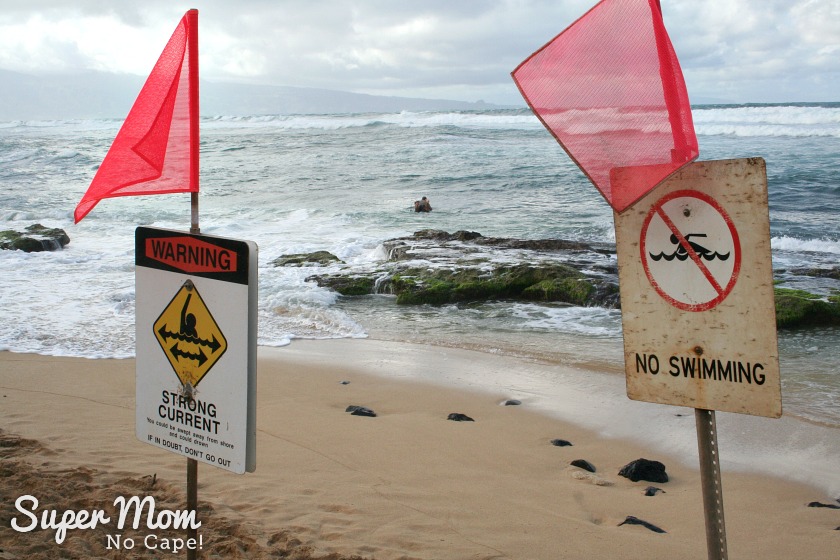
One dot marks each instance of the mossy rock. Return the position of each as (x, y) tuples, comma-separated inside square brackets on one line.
[(831, 272), (436, 292), (555, 282), (798, 308), (569, 290), (350, 285), (318, 258), (35, 238)]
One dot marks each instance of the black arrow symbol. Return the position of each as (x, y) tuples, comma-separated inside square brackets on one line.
[(178, 353), (212, 344)]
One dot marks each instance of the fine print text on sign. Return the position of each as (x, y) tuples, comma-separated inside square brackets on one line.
[(196, 346), (696, 282)]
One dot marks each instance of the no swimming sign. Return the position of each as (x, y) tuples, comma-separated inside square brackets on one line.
[(696, 285)]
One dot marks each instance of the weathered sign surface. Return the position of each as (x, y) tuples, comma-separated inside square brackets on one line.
[(696, 285)]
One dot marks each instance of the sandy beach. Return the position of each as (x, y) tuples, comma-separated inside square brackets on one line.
[(407, 484)]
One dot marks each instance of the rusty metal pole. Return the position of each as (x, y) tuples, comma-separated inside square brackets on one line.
[(710, 481), (192, 505), (194, 213)]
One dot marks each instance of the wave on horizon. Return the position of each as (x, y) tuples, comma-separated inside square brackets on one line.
[(745, 120)]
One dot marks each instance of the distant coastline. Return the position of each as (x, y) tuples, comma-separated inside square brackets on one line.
[(100, 95)]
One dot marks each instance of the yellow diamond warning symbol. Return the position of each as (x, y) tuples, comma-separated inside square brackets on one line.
[(189, 336)]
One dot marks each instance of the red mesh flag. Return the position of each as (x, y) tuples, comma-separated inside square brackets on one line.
[(156, 149), (610, 90)]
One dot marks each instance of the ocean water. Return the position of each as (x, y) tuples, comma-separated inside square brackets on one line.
[(346, 183)]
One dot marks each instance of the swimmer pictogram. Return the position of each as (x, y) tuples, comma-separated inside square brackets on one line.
[(189, 336), (681, 253), (690, 250), (188, 333)]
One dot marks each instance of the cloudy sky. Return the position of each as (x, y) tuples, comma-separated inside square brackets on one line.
[(730, 50)]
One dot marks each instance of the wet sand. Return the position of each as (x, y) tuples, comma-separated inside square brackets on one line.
[(407, 484)]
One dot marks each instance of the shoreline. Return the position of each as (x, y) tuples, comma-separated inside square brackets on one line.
[(596, 400), (406, 484), (587, 393)]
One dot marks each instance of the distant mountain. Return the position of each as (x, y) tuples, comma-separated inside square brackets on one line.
[(239, 99), (104, 95), (88, 95)]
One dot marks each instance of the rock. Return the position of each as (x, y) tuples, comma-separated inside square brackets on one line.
[(512, 402), (437, 286), (832, 272), (583, 464), (344, 383), (435, 267), (35, 238), (632, 520), (318, 258), (544, 245), (440, 235), (569, 290), (347, 285), (458, 417), (561, 443), (821, 505), (644, 469), (653, 491), (797, 308), (360, 411)]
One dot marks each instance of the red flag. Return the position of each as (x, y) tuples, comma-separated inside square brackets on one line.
[(156, 149), (610, 90)]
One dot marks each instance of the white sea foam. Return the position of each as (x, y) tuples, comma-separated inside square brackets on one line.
[(768, 121), (591, 321), (792, 244), (796, 120)]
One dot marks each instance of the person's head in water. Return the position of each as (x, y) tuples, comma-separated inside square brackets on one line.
[(422, 205)]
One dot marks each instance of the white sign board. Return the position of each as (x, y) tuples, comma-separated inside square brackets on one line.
[(696, 282), (196, 346)]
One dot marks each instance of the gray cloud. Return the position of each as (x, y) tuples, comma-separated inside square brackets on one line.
[(733, 50)]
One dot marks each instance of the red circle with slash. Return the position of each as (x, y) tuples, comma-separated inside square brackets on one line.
[(690, 250)]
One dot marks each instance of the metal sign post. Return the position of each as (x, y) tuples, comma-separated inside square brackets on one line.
[(192, 505), (195, 119), (710, 481), (196, 351), (697, 305), (192, 464)]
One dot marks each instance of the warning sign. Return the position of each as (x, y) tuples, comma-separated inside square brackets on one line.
[(197, 317), (189, 336), (697, 304), (690, 250)]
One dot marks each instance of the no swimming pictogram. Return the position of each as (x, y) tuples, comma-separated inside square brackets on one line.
[(690, 250)]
